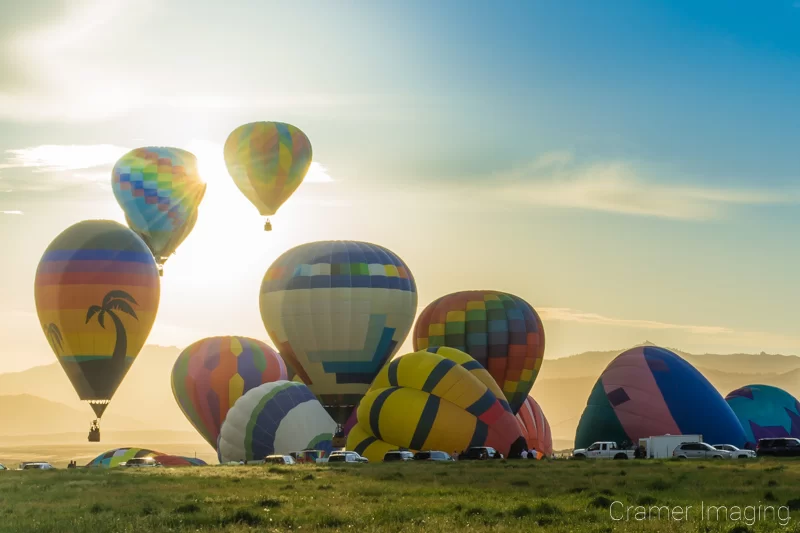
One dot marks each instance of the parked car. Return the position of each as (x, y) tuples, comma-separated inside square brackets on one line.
[(346, 457), (398, 455), (280, 459), (699, 450), (736, 453), (603, 450), (432, 455), (662, 446), (140, 462), (309, 456), (36, 466), (482, 452), (781, 447)]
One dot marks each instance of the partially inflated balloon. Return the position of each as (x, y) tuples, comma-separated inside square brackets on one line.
[(113, 458), (501, 331), (337, 311), (267, 161), (535, 427), (274, 418), (159, 189), (210, 375), (765, 412), (97, 293), (434, 400)]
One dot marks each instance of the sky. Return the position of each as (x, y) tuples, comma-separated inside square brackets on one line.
[(628, 168)]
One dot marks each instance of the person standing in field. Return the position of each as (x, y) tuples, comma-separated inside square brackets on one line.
[(524, 454)]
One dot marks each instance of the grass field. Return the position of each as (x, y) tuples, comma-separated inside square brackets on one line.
[(552, 496)]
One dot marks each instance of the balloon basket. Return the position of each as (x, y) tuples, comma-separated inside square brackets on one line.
[(94, 435), (267, 226)]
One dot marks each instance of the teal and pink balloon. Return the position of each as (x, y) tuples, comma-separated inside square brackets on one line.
[(765, 412), (337, 311), (649, 391), (211, 374), (160, 190)]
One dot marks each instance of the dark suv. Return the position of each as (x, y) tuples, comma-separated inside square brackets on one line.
[(432, 456), (398, 455), (782, 447), (482, 452)]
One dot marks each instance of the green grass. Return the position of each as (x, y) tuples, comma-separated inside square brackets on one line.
[(551, 496)]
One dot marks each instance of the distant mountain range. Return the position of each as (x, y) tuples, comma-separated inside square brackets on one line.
[(40, 401)]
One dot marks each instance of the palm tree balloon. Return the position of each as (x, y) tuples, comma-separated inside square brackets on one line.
[(113, 303)]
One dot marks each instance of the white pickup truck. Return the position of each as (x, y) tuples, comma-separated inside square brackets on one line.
[(602, 450)]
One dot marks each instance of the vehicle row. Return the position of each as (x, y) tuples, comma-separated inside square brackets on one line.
[(688, 447)]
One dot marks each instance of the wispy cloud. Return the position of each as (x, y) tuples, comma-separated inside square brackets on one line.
[(55, 158), (556, 180), (564, 314), (12, 213)]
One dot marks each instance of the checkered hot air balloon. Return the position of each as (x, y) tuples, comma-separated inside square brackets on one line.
[(267, 161), (160, 190), (499, 330)]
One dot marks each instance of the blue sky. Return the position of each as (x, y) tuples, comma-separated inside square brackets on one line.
[(629, 168)]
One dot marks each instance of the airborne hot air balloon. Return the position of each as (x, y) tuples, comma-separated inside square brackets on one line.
[(440, 399), (211, 374), (160, 190), (499, 330), (274, 418), (267, 161), (337, 311), (97, 292)]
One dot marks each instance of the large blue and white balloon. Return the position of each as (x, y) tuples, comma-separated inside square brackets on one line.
[(274, 418)]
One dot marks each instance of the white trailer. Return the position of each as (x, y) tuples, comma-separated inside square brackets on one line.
[(662, 446)]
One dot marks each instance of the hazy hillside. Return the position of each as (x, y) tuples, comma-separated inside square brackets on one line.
[(144, 400)]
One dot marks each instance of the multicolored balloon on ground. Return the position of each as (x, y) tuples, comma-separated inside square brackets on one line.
[(113, 458), (648, 391), (765, 412), (159, 189), (211, 374), (274, 418), (267, 161), (434, 400), (337, 311), (97, 292), (499, 330), (535, 427), (178, 461)]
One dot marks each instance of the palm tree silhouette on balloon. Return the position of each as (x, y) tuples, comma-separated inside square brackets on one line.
[(54, 337), (113, 303)]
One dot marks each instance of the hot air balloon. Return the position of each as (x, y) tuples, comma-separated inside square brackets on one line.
[(97, 292), (159, 189), (274, 418), (765, 412), (267, 161), (434, 400), (649, 391), (337, 311), (113, 458), (211, 374), (499, 330), (535, 427)]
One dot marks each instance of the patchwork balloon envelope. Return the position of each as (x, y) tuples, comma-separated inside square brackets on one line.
[(535, 427), (97, 292), (434, 400), (113, 458), (765, 412), (274, 418), (160, 190), (337, 311), (211, 374), (648, 391), (499, 330), (267, 161)]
